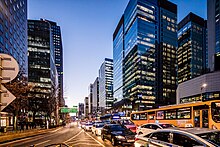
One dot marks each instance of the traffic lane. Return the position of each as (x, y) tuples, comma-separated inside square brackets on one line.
[(41, 140), (106, 142), (84, 139)]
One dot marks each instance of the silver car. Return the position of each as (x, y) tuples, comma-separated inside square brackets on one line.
[(150, 127), (180, 137)]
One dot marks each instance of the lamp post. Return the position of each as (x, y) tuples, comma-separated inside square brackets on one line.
[(203, 86)]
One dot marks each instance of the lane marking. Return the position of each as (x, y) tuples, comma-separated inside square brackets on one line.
[(74, 136), (30, 139), (95, 140), (81, 141), (85, 144), (42, 142), (56, 130), (26, 140)]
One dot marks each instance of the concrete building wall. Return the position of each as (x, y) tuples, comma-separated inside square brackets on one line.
[(194, 86)]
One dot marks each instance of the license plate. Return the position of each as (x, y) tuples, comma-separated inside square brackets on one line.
[(130, 140)]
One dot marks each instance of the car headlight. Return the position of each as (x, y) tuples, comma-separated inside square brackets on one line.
[(120, 137)]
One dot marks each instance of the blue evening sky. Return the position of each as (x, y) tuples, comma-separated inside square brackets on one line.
[(87, 27)]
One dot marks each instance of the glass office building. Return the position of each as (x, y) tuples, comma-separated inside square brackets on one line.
[(13, 41), (118, 55), (213, 23), (149, 63), (42, 72), (191, 53), (58, 52), (90, 99), (95, 96), (106, 85), (13, 33)]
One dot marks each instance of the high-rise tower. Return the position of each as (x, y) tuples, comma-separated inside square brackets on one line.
[(146, 38)]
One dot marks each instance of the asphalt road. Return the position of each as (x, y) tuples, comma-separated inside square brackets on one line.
[(70, 135)]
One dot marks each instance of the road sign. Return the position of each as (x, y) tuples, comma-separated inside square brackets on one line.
[(6, 97), (68, 110), (10, 68)]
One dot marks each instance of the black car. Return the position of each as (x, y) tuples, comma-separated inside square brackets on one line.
[(117, 134)]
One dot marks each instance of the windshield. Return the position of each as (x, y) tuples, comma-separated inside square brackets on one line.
[(117, 128), (212, 137), (167, 125), (215, 112)]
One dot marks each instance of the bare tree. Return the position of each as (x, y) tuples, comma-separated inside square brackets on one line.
[(52, 104), (20, 89)]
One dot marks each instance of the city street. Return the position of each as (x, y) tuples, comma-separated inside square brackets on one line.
[(70, 135)]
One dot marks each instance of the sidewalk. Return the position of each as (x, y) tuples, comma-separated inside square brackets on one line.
[(11, 136)]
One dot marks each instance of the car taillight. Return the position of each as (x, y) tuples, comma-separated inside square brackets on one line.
[(136, 139)]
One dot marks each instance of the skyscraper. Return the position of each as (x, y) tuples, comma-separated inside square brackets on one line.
[(106, 85), (191, 53), (213, 24), (90, 99), (80, 110), (42, 72), (58, 52), (95, 96), (13, 33), (86, 107), (149, 30), (118, 55), (13, 41)]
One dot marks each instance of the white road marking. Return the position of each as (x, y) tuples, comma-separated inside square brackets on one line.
[(29, 139), (74, 136), (95, 140), (42, 142), (76, 141), (85, 144), (56, 130)]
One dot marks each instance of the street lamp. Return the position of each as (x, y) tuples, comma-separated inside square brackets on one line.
[(203, 86)]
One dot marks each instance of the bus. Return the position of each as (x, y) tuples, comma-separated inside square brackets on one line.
[(196, 114)]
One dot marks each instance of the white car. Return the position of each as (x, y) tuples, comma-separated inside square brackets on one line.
[(177, 137), (97, 128), (150, 127), (88, 126)]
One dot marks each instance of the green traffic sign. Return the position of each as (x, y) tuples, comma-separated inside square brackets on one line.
[(68, 110)]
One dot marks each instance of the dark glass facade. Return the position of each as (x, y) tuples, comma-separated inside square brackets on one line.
[(90, 99), (58, 52), (150, 41), (42, 71), (86, 107), (192, 49), (213, 24), (217, 35), (118, 55), (95, 96), (106, 85), (13, 33)]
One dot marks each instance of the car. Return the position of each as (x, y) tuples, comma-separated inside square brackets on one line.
[(129, 124), (150, 127), (118, 134), (97, 128), (82, 124), (176, 137), (88, 126)]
